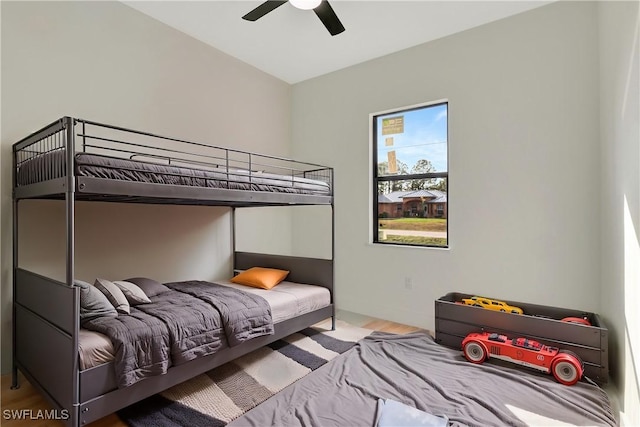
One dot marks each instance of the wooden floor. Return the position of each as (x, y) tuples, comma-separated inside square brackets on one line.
[(27, 397)]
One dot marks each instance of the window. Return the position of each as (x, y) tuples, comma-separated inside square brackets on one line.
[(410, 176)]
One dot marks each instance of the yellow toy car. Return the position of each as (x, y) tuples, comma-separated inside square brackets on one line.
[(491, 304)]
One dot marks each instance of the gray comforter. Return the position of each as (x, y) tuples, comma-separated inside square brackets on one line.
[(194, 319), (416, 371), (244, 315), (141, 345)]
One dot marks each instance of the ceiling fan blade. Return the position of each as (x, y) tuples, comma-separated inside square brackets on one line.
[(329, 18), (263, 9)]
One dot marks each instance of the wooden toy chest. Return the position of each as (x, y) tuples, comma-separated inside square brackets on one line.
[(541, 323)]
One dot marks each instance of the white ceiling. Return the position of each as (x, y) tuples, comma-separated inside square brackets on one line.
[(293, 45)]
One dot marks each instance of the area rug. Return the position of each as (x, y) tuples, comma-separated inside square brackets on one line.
[(225, 393)]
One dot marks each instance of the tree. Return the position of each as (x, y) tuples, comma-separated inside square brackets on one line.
[(422, 166), (385, 187), (383, 168), (441, 184)]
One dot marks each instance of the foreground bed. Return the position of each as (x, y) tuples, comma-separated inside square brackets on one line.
[(414, 370)]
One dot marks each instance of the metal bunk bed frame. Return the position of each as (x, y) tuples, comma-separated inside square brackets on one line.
[(46, 312)]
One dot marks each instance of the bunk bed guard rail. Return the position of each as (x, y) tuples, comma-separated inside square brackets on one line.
[(129, 164)]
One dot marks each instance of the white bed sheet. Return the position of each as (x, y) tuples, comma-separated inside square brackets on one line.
[(288, 299)]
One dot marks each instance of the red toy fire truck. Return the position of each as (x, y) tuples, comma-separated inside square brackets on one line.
[(565, 366)]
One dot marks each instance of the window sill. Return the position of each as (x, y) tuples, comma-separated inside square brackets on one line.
[(386, 245)]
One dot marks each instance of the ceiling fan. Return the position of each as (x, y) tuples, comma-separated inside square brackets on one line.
[(322, 8)]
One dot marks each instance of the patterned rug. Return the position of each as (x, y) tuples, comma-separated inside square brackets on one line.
[(225, 393)]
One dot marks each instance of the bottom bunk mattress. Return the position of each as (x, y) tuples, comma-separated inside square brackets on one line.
[(287, 300), (411, 371)]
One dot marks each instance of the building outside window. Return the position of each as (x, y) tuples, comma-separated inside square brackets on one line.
[(410, 176)]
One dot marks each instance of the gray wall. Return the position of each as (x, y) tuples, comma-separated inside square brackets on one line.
[(107, 62), (620, 196), (524, 215), (545, 176)]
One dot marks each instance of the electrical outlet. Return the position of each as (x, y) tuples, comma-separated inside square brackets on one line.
[(408, 283)]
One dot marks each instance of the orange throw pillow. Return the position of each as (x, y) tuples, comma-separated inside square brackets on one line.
[(259, 277)]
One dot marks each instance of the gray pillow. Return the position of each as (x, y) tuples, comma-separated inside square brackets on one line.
[(150, 287), (114, 295), (93, 303), (134, 294)]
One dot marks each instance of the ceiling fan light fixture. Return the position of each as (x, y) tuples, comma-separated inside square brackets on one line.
[(305, 4), (321, 8)]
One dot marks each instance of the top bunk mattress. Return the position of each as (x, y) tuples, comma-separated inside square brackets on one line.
[(51, 165)]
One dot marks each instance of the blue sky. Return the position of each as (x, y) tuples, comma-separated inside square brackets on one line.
[(424, 137)]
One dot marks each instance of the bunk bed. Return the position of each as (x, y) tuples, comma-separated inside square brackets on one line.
[(79, 160)]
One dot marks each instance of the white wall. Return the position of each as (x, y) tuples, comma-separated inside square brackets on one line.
[(124, 240), (524, 165), (620, 200), (107, 62)]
